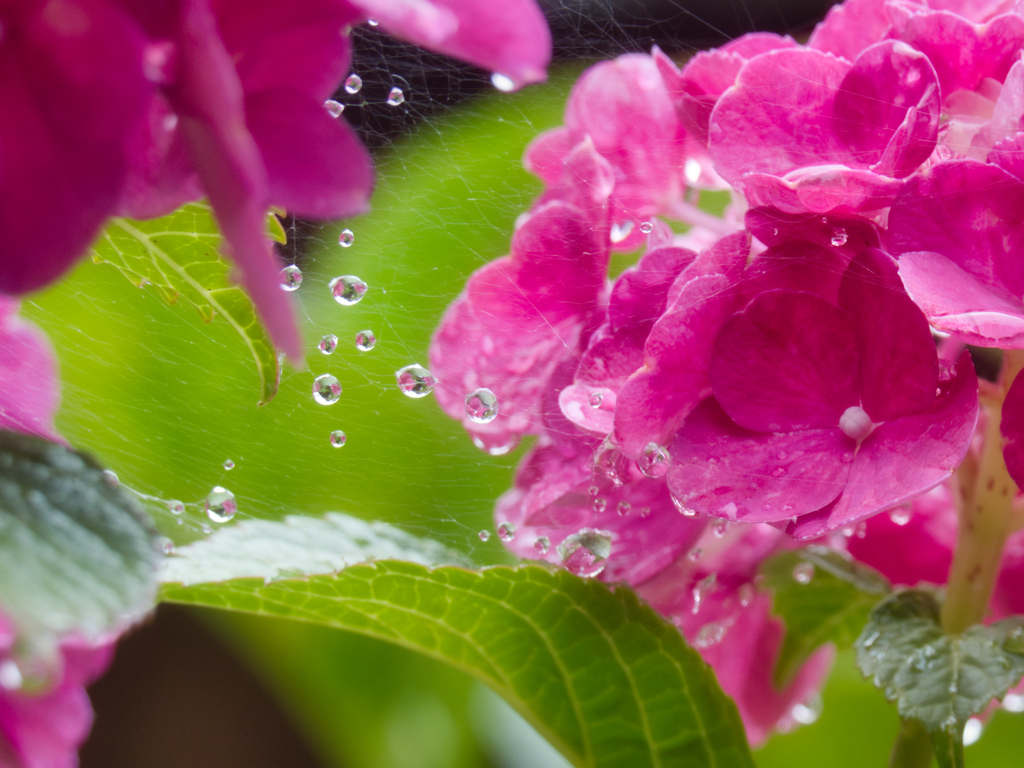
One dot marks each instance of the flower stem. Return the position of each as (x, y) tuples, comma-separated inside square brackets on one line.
[(913, 747), (986, 519)]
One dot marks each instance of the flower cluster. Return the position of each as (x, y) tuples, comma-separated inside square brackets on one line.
[(772, 375)]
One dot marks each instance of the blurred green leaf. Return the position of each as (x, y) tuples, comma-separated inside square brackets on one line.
[(595, 670), (76, 554), (177, 255), (831, 607)]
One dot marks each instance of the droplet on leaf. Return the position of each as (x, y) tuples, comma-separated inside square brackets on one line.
[(229, 464)]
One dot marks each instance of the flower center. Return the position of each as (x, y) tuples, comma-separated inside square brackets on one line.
[(855, 423)]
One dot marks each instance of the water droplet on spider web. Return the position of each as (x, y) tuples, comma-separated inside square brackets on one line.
[(365, 341), (229, 464), (506, 531), (291, 278), (484, 535), (620, 231), (338, 438), (803, 573), (646, 227), (176, 507), (415, 380), (395, 97), (348, 290), (542, 545), (220, 505), (586, 552), (654, 460), (328, 344), (503, 83), (346, 237), (481, 406), (110, 478), (326, 389), (353, 83), (596, 399), (334, 108)]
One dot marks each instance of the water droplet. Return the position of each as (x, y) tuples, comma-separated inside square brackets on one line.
[(862, 530), (596, 399), (220, 505), (900, 516), (167, 546), (326, 389), (365, 341), (346, 238), (229, 464), (415, 380), (701, 590), (609, 462), (481, 406), (623, 508), (1013, 702), (803, 573), (503, 83), (334, 108), (495, 449), (720, 528), (542, 545), (682, 508), (110, 478), (11, 678), (645, 511), (506, 531), (973, 729), (646, 227), (484, 535), (176, 507), (395, 97), (778, 472), (599, 505), (654, 460), (338, 438), (839, 237), (348, 290), (291, 278), (695, 554), (745, 594), (593, 490), (372, 22), (620, 231), (691, 170), (328, 344), (809, 712), (709, 635), (205, 527), (353, 83), (584, 553)]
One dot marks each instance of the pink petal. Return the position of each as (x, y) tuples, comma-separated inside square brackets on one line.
[(772, 226), (788, 361), (721, 469), (29, 387), (316, 167), (905, 458), (1012, 429), (545, 154), (1008, 154), (821, 189), (797, 265), (850, 27), (611, 357), (899, 372), (956, 302), (588, 407)]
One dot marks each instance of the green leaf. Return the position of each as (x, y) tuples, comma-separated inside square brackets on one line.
[(933, 677), (76, 553), (948, 745), (177, 254), (593, 668), (832, 607)]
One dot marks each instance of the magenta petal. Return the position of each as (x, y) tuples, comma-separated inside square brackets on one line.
[(29, 388), (316, 167), (1008, 154), (718, 468), (545, 155), (1012, 429), (611, 357), (956, 302), (589, 408), (787, 362), (899, 372), (821, 189), (904, 458), (850, 27), (639, 295)]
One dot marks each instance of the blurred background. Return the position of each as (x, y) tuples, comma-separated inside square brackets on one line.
[(165, 400)]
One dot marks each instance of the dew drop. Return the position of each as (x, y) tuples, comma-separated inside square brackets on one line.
[(353, 83), (720, 528), (229, 464), (167, 547), (620, 231), (778, 472), (495, 449), (365, 341), (334, 108), (503, 83), (348, 290), (809, 712), (481, 406), (695, 554), (205, 528), (900, 516), (484, 535), (839, 237), (691, 170), (328, 344), (326, 389), (682, 508), (415, 380), (803, 573), (291, 278), (646, 227), (701, 590), (593, 490), (709, 634), (372, 22), (11, 678), (596, 399), (110, 478), (654, 460), (745, 594), (1013, 702), (645, 511), (338, 438), (506, 531), (599, 505), (542, 545), (346, 238), (395, 97), (972, 731), (176, 507), (585, 553), (220, 505), (623, 508)]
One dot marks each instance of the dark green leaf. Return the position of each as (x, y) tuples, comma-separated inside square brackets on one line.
[(177, 254), (603, 677), (76, 554), (933, 677), (948, 744), (831, 607)]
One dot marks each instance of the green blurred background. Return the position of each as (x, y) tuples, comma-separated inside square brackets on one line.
[(164, 400)]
